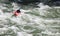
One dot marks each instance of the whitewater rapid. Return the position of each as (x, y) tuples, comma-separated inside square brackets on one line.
[(31, 22)]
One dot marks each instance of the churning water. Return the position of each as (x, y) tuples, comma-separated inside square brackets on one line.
[(43, 21)]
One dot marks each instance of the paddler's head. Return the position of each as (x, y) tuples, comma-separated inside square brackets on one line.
[(18, 11)]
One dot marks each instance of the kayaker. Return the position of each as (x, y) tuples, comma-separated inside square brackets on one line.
[(17, 12)]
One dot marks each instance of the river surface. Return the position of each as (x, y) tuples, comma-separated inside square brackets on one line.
[(33, 21)]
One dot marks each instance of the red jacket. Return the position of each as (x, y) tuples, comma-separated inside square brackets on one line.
[(16, 13)]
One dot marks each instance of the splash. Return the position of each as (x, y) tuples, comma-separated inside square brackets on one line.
[(43, 21)]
